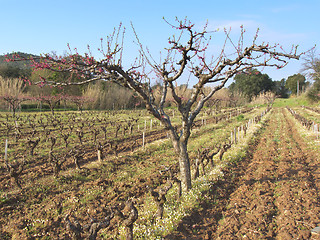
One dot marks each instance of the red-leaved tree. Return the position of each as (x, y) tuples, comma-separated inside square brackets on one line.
[(51, 100), (79, 101), (187, 54), (14, 101)]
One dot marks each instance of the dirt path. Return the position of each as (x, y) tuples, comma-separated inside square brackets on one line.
[(272, 194)]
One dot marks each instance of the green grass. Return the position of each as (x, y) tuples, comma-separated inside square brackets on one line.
[(292, 102)]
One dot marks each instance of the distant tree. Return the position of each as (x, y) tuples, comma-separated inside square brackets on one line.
[(292, 83), (8, 71), (314, 92), (280, 89), (79, 101), (185, 55), (14, 101), (15, 69), (251, 83), (12, 92), (311, 68), (40, 74), (311, 65), (51, 100)]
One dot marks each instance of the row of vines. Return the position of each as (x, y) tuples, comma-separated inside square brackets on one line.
[(308, 117), (95, 172)]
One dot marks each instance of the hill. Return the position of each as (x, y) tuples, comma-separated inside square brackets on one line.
[(15, 69), (19, 64)]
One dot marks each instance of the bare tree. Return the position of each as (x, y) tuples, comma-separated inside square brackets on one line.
[(52, 101), (11, 91), (311, 64), (187, 55)]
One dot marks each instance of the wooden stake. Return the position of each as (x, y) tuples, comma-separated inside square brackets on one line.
[(6, 151), (99, 156), (143, 136), (231, 137)]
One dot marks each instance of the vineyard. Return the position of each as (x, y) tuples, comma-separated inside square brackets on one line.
[(110, 174)]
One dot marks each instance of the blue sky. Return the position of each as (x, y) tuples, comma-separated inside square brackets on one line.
[(36, 27)]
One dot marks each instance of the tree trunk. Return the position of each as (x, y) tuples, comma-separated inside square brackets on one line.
[(184, 164), (180, 147)]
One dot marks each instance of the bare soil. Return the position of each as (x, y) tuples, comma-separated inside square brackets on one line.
[(271, 194)]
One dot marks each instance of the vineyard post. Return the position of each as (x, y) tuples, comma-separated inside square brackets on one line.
[(231, 137), (99, 149), (143, 139), (6, 151), (242, 131), (316, 130), (99, 156)]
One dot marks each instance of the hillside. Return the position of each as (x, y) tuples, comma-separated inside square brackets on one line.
[(15, 69), (19, 64)]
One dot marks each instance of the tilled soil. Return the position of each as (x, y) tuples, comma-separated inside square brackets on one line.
[(36, 210), (271, 194)]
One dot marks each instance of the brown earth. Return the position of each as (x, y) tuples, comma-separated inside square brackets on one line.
[(271, 194), (22, 209), (35, 212)]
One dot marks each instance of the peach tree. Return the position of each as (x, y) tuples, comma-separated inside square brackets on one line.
[(188, 58)]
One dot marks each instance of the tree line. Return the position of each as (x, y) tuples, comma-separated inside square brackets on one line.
[(251, 83), (15, 85), (107, 95)]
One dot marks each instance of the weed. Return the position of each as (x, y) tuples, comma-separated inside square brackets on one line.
[(240, 118)]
